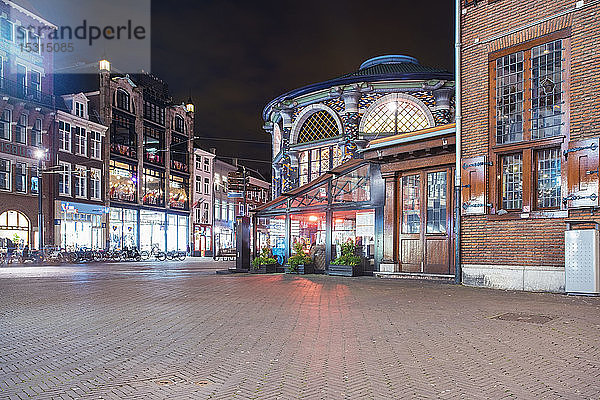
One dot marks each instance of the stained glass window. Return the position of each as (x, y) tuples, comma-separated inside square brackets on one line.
[(548, 178), (546, 90), (320, 125), (509, 98), (395, 116), (512, 181)]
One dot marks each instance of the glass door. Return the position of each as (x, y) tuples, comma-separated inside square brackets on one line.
[(425, 222)]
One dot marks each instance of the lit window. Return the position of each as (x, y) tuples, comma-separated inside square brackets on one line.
[(395, 115)]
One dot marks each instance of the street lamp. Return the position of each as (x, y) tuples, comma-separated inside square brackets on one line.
[(40, 154)]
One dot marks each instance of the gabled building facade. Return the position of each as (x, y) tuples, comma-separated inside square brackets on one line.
[(203, 203), (80, 214)]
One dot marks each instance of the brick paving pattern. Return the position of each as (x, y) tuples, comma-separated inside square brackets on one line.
[(177, 331)]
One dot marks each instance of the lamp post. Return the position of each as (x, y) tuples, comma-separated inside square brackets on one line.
[(40, 154)]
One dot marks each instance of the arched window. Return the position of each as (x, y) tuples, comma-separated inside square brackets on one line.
[(319, 125), (14, 225), (396, 113), (123, 100), (276, 139), (179, 125)]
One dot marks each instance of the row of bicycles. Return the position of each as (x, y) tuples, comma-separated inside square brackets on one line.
[(63, 256)]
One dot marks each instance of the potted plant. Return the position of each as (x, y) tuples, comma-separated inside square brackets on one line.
[(265, 263), (300, 263), (348, 263)]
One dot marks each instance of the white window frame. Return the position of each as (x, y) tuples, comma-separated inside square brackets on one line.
[(79, 111), (206, 186), (37, 124), (12, 30), (29, 80), (64, 137), (9, 177), (25, 167), (80, 141), (65, 177), (198, 184), (21, 126), (95, 145), (36, 39), (80, 181), (7, 123), (96, 184)]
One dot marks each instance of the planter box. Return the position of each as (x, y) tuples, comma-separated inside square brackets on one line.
[(344, 270), (264, 269), (302, 269)]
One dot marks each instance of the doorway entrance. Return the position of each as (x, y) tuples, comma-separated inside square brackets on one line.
[(426, 221)]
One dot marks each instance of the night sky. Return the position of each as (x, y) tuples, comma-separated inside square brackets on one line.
[(236, 56)]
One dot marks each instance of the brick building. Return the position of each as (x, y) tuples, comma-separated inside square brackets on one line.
[(530, 149), (27, 111)]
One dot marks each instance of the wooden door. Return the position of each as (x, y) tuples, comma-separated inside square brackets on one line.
[(426, 221)]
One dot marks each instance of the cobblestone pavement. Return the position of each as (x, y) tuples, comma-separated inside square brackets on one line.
[(178, 331)]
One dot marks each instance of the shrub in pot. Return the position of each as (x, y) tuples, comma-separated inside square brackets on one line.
[(348, 263), (264, 263), (300, 263)]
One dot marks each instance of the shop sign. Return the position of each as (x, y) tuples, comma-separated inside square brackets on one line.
[(17, 150), (120, 172), (233, 195), (69, 207), (34, 184)]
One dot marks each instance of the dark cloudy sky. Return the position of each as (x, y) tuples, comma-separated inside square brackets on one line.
[(235, 56)]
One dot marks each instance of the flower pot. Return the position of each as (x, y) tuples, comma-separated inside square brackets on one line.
[(302, 269), (264, 269), (344, 270)]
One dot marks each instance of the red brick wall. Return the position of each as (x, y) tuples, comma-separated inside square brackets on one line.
[(524, 241)]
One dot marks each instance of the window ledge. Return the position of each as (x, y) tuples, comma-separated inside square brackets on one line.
[(549, 214)]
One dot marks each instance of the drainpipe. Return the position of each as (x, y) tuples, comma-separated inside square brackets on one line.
[(458, 118)]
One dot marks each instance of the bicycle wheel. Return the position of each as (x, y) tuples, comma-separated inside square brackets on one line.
[(181, 256), (145, 255), (161, 256)]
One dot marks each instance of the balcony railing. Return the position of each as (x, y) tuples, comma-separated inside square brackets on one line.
[(179, 166), (15, 89), (124, 150)]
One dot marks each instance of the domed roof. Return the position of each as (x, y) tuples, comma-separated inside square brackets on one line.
[(382, 68)]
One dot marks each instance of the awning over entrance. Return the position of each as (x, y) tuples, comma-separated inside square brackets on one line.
[(343, 204)]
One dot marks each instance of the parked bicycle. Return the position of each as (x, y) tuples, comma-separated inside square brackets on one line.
[(176, 255)]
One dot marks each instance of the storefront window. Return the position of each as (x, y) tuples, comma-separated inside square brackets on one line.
[(153, 193), (308, 229), (357, 226), (152, 230), (123, 182), (178, 192), (123, 228), (80, 230), (276, 232), (177, 232)]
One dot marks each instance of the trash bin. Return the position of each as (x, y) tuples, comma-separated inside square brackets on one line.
[(582, 258)]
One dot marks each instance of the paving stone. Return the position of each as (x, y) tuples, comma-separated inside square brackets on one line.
[(179, 331)]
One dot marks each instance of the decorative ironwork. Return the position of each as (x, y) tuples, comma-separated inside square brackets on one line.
[(395, 116), (318, 126), (574, 149)]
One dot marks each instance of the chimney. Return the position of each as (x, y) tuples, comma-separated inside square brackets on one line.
[(234, 161), (213, 150)]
